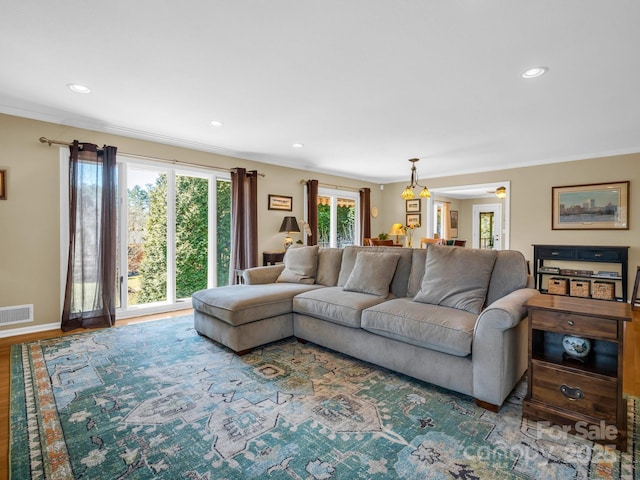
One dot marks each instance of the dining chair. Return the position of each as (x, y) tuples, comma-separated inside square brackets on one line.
[(425, 240), (377, 242)]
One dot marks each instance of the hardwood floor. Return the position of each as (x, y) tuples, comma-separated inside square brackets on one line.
[(631, 366), (5, 375), (631, 381)]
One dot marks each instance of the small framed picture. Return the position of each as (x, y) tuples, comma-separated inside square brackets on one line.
[(413, 219), (280, 202), (413, 205), (3, 184), (453, 223)]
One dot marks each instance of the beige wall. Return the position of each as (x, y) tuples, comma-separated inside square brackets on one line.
[(29, 218), (530, 203)]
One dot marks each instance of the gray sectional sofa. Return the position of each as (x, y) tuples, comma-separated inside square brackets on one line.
[(451, 316)]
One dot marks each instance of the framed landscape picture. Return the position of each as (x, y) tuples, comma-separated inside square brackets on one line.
[(413, 205), (453, 227), (413, 219), (598, 206), (280, 202)]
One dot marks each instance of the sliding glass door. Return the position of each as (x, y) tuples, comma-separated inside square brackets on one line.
[(174, 235), (338, 223)]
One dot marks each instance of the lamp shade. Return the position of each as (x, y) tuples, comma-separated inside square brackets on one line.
[(396, 229), (501, 192), (289, 224)]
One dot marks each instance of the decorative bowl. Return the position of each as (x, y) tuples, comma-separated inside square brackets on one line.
[(577, 347)]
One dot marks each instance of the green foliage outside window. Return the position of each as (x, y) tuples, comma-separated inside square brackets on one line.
[(324, 225), (192, 194), (223, 233), (153, 268), (346, 220), (192, 244)]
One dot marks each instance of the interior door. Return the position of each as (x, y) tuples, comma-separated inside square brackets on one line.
[(487, 226)]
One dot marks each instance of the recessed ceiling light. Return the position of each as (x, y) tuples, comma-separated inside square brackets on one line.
[(76, 87), (215, 123), (535, 72), (298, 145)]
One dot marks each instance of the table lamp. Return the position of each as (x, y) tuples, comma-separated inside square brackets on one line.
[(397, 230), (289, 224)]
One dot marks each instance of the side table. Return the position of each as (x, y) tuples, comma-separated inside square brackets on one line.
[(271, 258), (582, 392)]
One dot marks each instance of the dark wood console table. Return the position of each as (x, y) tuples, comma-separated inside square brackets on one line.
[(546, 258)]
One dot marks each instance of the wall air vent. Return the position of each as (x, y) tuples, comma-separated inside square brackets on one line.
[(16, 314)]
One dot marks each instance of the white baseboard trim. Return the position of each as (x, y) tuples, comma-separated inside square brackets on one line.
[(26, 330)]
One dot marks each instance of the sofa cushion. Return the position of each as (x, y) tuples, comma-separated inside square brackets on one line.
[(417, 271), (372, 273), (509, 274), (239, 304), (456, 277), (400, 279), (444, 329), (329, 262), (335, 305), (300, 265)]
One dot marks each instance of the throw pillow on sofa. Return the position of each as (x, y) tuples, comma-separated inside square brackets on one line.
[(372, 273), (457, 277), (300, 265), (329, 262)]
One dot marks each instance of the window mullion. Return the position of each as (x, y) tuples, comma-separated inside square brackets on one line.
[(334, 221), (212, 277), (123, 236), (171, 236)]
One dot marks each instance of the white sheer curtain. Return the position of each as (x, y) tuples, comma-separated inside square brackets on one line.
[(90, 289)]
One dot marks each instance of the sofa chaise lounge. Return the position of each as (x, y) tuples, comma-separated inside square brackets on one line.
[(450, 316)]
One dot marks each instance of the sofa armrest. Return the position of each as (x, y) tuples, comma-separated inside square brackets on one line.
[(506, 312), (262, 275), (499, 349)]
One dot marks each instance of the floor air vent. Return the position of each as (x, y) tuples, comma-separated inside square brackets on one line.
[(16, 314)]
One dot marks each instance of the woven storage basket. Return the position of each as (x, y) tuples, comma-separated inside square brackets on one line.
[(580, 288), (604, 290), (558, 286)]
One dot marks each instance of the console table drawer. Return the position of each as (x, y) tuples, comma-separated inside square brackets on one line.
[(588, 395), (571, 323), (600, 255), (558, 253)]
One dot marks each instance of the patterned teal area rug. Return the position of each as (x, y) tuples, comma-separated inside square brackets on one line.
[(157, 401)]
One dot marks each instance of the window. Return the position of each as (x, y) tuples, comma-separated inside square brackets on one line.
[(438, 212), (338, 223), (174, 233)]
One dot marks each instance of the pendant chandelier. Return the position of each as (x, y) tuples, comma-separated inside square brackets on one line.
[(407, 193)]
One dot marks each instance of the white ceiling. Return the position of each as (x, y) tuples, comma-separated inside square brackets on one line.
[(363, 84)]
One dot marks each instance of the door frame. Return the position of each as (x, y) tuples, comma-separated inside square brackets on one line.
[(460, 192)]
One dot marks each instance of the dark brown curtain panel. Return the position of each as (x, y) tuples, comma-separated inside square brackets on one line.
[(244, 221), (90, 291), (312, 211), (365, 219)]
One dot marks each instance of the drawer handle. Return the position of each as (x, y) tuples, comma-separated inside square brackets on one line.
[(555, 254), (597, 255), (570, 323), (572, 394)]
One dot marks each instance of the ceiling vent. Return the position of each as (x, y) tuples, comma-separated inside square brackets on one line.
[(16, 314)]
